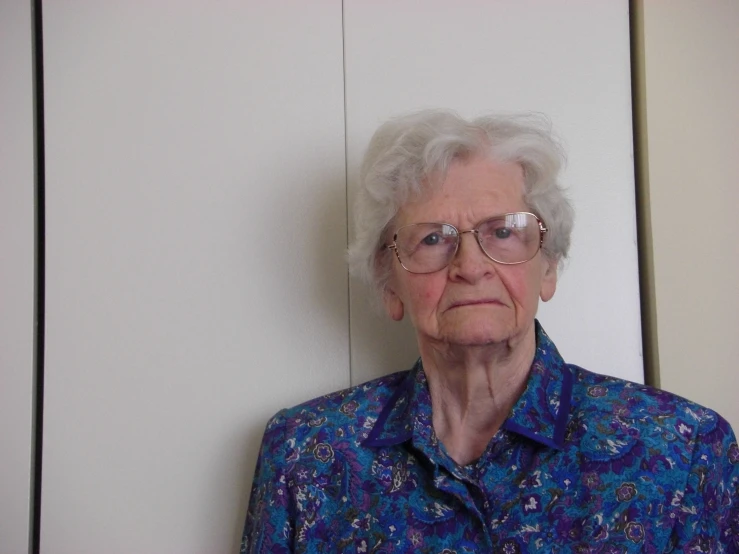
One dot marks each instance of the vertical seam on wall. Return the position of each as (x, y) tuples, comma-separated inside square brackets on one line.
[(39, 277), (346, 193), (647, 293)]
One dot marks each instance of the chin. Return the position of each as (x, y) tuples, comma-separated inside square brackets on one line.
[(478, 335), (479, 328)]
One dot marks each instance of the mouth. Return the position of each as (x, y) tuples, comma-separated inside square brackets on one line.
[(485, 301)]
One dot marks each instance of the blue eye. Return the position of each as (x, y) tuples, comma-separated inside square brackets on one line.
[(432, 239), (502, 233)]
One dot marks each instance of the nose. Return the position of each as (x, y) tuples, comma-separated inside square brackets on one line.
[(470, 263)]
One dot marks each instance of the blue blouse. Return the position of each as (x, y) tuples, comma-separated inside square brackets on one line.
[(584, 463)]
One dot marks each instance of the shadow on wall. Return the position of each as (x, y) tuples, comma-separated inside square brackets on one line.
[(377, 345)]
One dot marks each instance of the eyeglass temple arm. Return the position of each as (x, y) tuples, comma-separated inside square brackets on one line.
[(542, 231)]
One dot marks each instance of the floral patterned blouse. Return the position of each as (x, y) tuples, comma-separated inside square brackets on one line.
[(584, 463)]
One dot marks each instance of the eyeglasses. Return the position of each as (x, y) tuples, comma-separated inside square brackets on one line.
[(512, 238)]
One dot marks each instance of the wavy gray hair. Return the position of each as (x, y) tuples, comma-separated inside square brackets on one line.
[(411, 154)]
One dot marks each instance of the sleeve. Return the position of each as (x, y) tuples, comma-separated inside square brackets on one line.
[(708, 516), (269, 523)]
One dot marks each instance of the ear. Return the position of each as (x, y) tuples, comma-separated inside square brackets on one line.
[(393, 304), (548, 279)]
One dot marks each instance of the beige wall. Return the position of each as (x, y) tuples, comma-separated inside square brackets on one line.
[(688, 107), (16, 274)]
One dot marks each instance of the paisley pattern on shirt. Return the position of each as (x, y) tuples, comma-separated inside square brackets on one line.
[(584, 463)]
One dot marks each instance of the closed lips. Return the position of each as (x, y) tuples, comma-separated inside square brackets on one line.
[(475, 302)]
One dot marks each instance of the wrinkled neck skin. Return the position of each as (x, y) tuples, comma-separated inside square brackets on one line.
[(474, 388)]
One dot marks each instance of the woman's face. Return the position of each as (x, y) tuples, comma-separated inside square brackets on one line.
[(474, 300)]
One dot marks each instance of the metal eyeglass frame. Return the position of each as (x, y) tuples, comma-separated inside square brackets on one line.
[(542, 231)]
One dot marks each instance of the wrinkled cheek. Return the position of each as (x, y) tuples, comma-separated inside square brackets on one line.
[(423, 310), (424, 306), (426, 297), (525, 295)]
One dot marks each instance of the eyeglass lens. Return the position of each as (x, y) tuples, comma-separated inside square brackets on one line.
[(429, 247)]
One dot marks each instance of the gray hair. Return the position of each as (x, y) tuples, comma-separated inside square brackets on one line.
[(409, 155)]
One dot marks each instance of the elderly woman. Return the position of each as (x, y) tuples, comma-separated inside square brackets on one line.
[(491, 442)]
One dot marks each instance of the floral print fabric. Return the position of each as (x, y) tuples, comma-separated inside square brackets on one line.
[(585, 463)]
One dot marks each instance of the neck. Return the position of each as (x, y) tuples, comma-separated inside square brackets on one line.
[(473, 389)]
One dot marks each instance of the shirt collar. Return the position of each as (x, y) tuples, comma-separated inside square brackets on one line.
[(542, 411), (540, 414)]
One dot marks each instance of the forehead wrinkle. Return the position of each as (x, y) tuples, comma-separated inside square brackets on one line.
[(472, 190), (470, 214)]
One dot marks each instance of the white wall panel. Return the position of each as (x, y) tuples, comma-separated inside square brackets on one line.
[(569, 60), (196, 229), (16, 273)]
